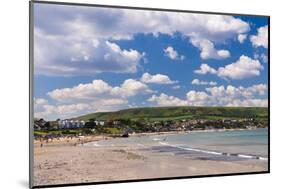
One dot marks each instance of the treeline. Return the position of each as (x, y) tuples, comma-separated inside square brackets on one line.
[(158, 113)]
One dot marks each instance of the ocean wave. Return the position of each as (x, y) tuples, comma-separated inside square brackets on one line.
[(157, 139), (215, 153)]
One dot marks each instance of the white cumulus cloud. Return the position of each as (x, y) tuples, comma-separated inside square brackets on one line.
[(74, 55), (261, 39), (253, 96), (245, 67), (87, 98), (204, 69), (157, 78), (52, 112), (165, 100), (198, 82), (131, 87), (173, 54), (40, 101), (99, 89), (208, 50), (242, 37), (262, 57), (73, 40)]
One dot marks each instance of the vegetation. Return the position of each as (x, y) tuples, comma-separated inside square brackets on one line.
[(177, 113), (158, 119)]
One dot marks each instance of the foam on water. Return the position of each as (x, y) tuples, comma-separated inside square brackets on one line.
[(244, 144), (156, 139), (213, 152)]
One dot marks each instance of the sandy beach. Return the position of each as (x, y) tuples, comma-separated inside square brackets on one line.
[(69, 162)]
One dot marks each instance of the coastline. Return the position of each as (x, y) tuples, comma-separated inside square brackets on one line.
[(69, 141), (63, 162), (77, 164), (73, 141), (188, 132)]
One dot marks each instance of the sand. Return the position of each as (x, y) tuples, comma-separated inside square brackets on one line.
[(65, 163)]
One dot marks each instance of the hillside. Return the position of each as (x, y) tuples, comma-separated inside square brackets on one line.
[(185, 112)]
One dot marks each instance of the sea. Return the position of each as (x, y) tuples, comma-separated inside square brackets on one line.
[(223, 145)]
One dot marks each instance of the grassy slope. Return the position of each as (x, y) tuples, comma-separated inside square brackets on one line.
[(172, 113)]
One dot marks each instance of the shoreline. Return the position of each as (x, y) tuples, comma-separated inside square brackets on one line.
[(78, 140), (61, 162), (69, 141), (188, 132), (59, 165)]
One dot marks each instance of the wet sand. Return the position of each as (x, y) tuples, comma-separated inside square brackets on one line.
[(61, 164)]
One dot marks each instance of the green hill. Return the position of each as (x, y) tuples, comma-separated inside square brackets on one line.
[(185, 112)]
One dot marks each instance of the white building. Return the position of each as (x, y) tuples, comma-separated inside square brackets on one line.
[(71, 124), (101, 123)]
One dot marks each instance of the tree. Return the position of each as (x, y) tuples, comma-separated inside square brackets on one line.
[(92, 120), (90, 124), (47, 125)]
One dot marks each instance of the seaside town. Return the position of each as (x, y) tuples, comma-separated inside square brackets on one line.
[(125, 127)]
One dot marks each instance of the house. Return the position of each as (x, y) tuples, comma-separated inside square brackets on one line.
[(39, 124), (100, 122), (116, 122), (71, 124), (37, 127)]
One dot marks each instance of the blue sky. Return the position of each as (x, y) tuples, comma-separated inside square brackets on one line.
[(90, 59)]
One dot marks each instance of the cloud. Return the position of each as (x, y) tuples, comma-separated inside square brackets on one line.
[(176, 87), (73, 40), (40, 101), (260, 89), (208, 50), (239, 96), (253, 96), (204, 69), (62, 111), (261, 39), (173, 54), (71, 55), (82, 91), (39, 104), (157, 79), (165, 100), (200, 98), (231, 91), (110, 23), (88, 98), (250, 103), (52, 112), (98, 90), (242, 37), (262, 57), (131, 87), (245, 67), (198, 82)]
